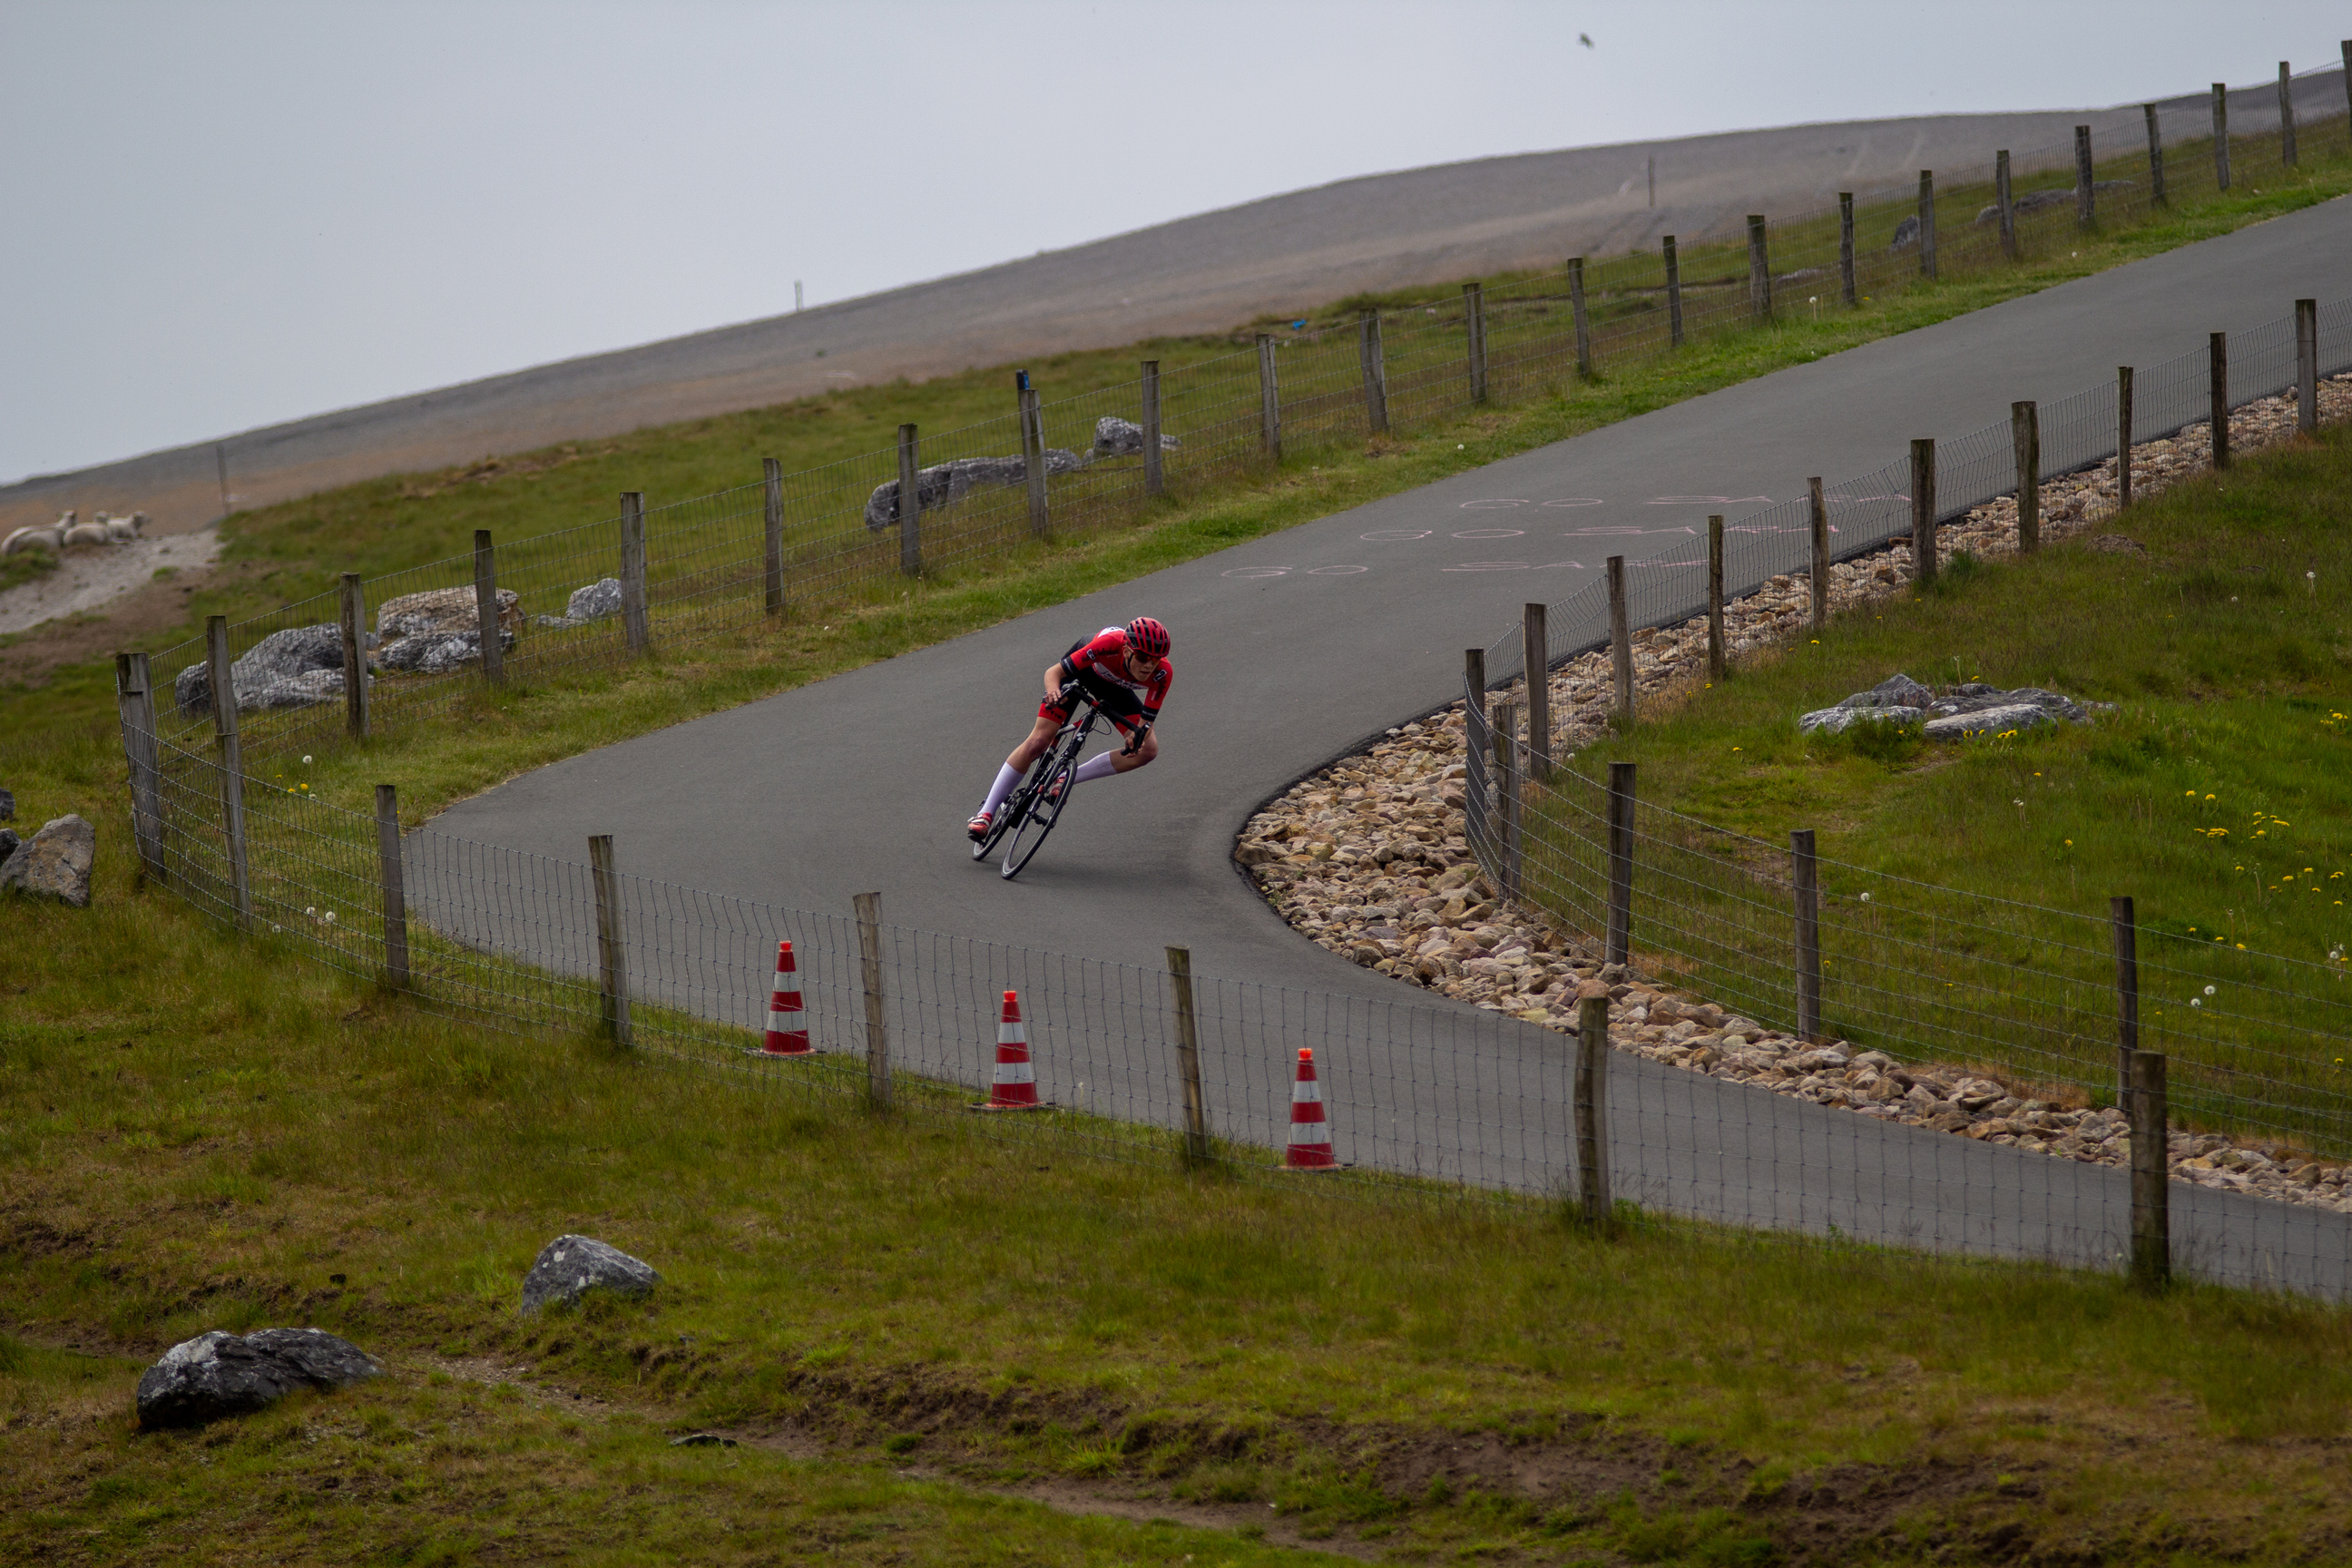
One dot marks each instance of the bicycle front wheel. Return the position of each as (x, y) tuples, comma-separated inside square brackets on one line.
[(1042, 809)]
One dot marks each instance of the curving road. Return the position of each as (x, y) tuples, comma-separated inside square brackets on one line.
[(1292, 649), (1201, 274)]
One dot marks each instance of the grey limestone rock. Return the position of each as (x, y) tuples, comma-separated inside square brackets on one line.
[(1117, 437), (444, 610), (294, 668), (217, 1373), (1906, 234), (950, 482), (437, 653), (7, 805), (571, 1266), (55, 863), (593, 603), (8, 842), (1895, 691), (1838, 721), (1989, 720)]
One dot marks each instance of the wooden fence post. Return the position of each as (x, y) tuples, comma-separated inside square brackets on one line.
[(1374, 364), (1927, 224), (1805, 881), (877, 1038), (2122, 436), (1579, 316), (1717, 657), (771, 529), (612, 942), (2222, 135), (2150, 1188), (633, 570), (1474, 322), (2217, 348), (2127, 938), (2086, 204), (351, 616), (1923, 509), (1674, 295), (2287, 115), (1474, 746), (395, 887), (1760, 271), (1620, 643), (1620, 946), (2155, 196), (487, 630), (911, 501), (1505, 734), (1154, 477), (1033, 454), (1188, 1058), (2025, 435), (2307, 366), (2005, 203), (1845, 249), (134, 701), (1269, 399), (1819, 587), (1534, 645), (1592, 1092), (232, 766)]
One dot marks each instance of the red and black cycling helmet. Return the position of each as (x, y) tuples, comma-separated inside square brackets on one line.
[(1145, 634)]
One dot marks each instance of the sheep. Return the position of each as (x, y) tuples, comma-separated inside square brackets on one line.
[(51, 538), (122, 530), (87, 533)]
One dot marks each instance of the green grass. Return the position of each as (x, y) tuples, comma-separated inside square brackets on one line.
[(2219, 794), (197, 1131), (293, 551)]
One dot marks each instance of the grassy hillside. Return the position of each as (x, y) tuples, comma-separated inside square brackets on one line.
[(291, 551), (908, 1321), (2217, 794)]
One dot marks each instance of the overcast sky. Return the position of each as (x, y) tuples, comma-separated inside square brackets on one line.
[(226, 212)]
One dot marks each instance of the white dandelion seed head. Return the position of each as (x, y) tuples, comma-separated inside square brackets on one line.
[(2209, 990), (1865, 897), (306, 759), (2197, 1001), (329, 917)]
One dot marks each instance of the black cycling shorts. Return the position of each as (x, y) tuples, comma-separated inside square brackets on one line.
[(1120, 702)]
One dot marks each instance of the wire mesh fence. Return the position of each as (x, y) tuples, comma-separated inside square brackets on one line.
[(1420, 1100), (591, 597)]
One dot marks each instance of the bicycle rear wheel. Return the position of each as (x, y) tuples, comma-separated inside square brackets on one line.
[(1041, 807)]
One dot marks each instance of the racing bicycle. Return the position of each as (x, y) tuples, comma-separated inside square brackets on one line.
[(1030, 813)]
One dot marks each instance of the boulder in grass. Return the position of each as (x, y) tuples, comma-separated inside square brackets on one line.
[(444, 610), (1839, 720), (8, 842), (7, 805), (217, 1375), (54, 863), (1895, 691), (293, 667), (1117, 437), (1906, 234), (569, 1266)]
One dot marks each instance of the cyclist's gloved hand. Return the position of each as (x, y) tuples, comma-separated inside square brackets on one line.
[(1135, 740)]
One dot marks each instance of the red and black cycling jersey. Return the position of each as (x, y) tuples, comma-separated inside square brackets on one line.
[(1104, 660)]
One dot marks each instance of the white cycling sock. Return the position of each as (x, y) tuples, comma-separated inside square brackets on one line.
[(1007, 777), (1100, 767)]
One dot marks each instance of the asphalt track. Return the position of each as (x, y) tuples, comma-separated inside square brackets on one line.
[(1202, 274), (1292, 649)]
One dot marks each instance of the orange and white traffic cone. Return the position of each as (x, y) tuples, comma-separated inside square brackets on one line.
[(787, 1024), (1016, 1088), (1310, 1135)]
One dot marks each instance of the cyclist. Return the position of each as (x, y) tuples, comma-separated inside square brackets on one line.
[(1125, 670)]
